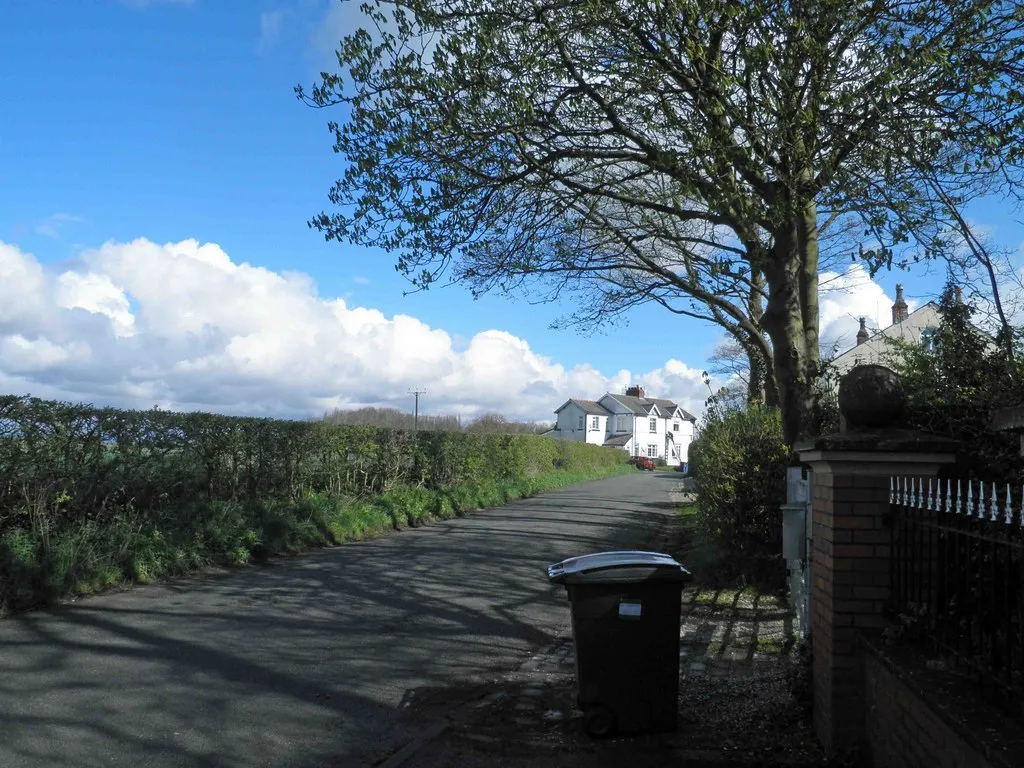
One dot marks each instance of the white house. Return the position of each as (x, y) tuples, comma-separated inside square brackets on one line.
[(870, 348), (640, 425)]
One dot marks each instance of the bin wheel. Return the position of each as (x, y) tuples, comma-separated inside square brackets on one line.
[(598, 721)]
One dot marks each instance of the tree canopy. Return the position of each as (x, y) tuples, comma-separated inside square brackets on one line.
[(691, 152), (956, 380)]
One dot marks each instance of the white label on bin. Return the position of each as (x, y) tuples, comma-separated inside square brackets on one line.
[(629, 609)]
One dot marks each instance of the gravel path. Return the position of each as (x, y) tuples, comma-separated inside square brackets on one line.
[(736, 706), (740, 701)]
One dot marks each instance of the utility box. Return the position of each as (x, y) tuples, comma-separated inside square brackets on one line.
[(625, 625), (794, 532)]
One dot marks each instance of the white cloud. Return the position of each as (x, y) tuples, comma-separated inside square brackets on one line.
[(845, 298), (271, 24), (183, 326), (341, 19), (52, 225)]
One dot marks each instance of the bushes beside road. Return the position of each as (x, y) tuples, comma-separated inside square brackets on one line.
[(738, 463), (94, 497)]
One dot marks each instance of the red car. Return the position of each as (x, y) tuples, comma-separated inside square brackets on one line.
[(642, 462)]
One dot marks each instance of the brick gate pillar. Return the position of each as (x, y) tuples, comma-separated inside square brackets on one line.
[(851, 543)]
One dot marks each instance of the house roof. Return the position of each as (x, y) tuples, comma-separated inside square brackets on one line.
[(590, 407), (643, 405), (640, 406), (908, 325), (618, 441)]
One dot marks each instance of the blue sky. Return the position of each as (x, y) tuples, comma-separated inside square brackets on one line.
[(170, 121)]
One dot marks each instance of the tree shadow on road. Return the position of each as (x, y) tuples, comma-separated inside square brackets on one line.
[(297, 661)]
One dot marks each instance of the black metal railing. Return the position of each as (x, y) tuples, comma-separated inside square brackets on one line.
[(957, 577)]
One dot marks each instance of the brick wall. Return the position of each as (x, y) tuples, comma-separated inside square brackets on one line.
[(850, 588), (851, 554), (902, 731)]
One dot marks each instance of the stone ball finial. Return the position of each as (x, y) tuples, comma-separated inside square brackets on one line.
[(871, 397)]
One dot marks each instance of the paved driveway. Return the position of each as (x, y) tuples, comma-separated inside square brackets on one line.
[(308, 661)]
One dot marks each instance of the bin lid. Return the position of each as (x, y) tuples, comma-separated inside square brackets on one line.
[(618, 567)]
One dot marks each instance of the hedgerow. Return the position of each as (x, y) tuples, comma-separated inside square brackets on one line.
[(91, 497), (738, 463)]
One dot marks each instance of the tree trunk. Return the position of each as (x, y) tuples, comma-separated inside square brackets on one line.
[(791, 320), (761, 389), (756, 379), (809, 287)]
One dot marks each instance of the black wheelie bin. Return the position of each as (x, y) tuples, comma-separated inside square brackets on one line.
[(625, 625)]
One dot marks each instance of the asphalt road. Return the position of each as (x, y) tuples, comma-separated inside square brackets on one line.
[(308, 661)]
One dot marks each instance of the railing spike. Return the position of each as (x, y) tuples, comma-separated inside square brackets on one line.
[(981, 501), (892, 491), (906, 495), (949, 495), (959, 496), (970, 499), (931, 496), (1008, 507), (993, 513)]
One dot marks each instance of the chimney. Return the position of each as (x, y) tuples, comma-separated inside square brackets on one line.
[(862, 334), (899, 309), (635, 391)]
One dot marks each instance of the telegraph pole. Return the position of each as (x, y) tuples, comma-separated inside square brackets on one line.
[(416, 413)]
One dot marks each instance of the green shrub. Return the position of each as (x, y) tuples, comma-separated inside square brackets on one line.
[(738, 463), (955, 383), (93, 497)]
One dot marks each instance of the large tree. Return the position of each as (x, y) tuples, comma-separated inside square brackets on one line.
[(700, 143)]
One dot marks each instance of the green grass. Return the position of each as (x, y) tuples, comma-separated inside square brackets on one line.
[(39, 567), (722, 577), (775, 645), (701, 551)]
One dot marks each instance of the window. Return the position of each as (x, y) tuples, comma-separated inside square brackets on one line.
[(595, 422), (652, 451), (675, 426), (623, 423), (654, 425), (928, 338), (581, 422)]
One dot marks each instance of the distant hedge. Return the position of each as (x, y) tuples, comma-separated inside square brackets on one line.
[(76, 461), (93, 496)]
